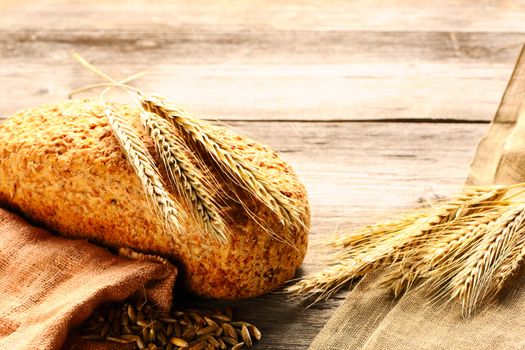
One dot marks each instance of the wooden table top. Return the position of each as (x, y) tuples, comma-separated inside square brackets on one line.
[(376, 104)]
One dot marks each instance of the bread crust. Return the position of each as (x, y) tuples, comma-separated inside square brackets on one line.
[(61, 166)]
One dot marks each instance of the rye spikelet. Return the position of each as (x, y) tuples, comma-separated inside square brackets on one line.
[(136, 152), (187, 178), (230, 164)]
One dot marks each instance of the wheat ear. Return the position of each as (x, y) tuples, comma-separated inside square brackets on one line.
[(371, 234), (401, 244), (436, 258), (472, 284), (230, 163), (329, 281), (141, 161), (510, 266), (411, 257), (185, 176)]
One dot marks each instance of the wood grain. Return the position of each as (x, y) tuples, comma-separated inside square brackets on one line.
[(381, 15), (299, 61), (274, 80)]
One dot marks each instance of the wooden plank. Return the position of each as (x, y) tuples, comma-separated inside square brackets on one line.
[(355, 171), (385, 15), (356, 174), (342, 76), (309, 60), (185, 44)]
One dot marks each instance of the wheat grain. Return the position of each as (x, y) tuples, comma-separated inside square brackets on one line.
[(230, 163), (185, 176), (141, 161), (164, 330)]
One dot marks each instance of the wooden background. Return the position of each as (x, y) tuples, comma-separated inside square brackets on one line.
[(376, 104)]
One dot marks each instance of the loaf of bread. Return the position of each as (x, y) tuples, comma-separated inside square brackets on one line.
[(61, 166)]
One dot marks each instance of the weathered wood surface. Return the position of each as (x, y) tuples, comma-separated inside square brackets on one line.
[(255, 60), (302, 77)]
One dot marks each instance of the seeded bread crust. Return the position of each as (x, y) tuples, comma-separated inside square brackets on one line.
[(61, 166)]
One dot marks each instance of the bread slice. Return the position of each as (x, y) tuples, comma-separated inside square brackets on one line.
[(61, 166)]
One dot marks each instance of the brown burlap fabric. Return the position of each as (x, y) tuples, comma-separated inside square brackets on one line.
[(50, 284), (500, 157), (371, 318)]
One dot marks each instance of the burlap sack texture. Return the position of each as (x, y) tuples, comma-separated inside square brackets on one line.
[(371, 318), (50, 284)]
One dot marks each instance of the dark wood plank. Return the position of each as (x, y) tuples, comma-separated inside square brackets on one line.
[(356, 174)]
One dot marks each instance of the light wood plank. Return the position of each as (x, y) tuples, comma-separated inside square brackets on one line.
[(383, 15), (309, 60), (320, 85)]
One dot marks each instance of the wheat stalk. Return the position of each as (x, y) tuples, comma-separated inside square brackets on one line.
[(230, 163), (329, 281), (423, 224), (370, 234), (185, 176), (347, 267), (142, 163), (424, 230)]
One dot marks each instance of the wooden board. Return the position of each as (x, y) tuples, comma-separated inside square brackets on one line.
[(381, 15)]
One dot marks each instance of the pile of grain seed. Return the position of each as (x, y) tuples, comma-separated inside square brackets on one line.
[(142, 327)]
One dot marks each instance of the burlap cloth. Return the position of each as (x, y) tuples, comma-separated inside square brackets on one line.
[(50, 284), (370, 318)]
